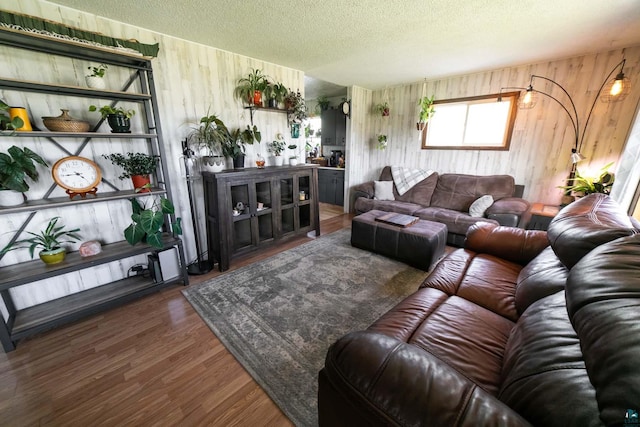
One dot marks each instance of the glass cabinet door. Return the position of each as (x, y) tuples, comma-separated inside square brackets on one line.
[(264, 210), (304, 201), (240, 209)]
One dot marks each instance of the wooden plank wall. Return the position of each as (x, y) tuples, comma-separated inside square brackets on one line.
[(191, 80), (542, 140)]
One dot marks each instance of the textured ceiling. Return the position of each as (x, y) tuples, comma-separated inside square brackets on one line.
[(376, 43)]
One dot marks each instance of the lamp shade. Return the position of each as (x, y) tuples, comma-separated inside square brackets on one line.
[(617, 89), (576, 157), (529, 99)]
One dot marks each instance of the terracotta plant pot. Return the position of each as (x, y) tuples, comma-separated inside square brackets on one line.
[(139, 182), (53, 256), (257, 98)]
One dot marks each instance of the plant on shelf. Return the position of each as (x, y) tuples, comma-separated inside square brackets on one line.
[(275, 93), (211, 135), (98, 71), (15, 166), (250, 88), (322, 104), (426, 111), (277, 147), (95, 79), (293, 158), (50, 240), (6, 122), (147, 222), (118, 118), (137, 166), (382, 142), (383, 109), (584, 185)]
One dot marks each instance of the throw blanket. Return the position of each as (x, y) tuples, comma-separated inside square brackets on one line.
[(406, 178)]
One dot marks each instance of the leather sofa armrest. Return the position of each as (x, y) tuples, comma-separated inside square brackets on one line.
[(372, 379), (510, 211), (513, 244), (366, 190)]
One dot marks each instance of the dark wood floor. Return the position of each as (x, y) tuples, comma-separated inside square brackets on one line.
[(150, 362)]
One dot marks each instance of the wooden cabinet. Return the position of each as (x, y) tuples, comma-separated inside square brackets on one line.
[(37, 318), (248, 209), (331, 186), (334, 127)]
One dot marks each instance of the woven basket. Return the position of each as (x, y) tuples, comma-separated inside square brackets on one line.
[(65, 123)]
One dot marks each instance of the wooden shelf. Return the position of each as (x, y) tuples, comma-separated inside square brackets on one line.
[(57, 202), (31, 271), (93, 135), (27, 86), (50, 314)]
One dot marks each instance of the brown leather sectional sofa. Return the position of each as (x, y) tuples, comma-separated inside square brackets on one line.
[(518, 328), (446, 198)]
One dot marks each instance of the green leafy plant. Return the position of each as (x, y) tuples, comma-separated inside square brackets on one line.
[(212, 134), (322, 104), (235, 146), (426, 108), (276, 91), (277, 147), (6, 122), (50, 239), (107, 110), (382, 142), (588, 185), (383, 108), (294, 102), (16, 165), (255, 81), (134, 163), (98, 71), (147, 222)]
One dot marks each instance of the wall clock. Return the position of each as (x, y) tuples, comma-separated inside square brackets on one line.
[(346, 108), (77, 175)]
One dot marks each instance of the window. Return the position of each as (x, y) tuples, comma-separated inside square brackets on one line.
[(474, 123)]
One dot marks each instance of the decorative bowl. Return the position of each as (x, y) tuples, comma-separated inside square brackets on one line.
[(65, 123)]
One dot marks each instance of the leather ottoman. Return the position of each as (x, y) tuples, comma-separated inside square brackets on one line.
[(419, 245)]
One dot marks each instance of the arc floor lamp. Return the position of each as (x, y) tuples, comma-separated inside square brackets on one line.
[(611, 90)]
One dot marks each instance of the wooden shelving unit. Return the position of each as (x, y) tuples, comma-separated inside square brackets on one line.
[(31, 320)]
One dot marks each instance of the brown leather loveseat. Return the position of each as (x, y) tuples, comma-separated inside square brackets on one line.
[(447, 198), (518, 328)]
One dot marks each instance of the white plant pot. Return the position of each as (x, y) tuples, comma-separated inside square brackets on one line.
[(213, 163), (293, 161), (10, 198), (278, 160), (95, 82)]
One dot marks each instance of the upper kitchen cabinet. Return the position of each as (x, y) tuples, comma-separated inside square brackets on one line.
[(334, 127)]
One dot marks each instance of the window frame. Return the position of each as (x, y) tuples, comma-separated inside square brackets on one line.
[(511, 119)]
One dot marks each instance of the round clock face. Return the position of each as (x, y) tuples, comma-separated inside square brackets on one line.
[(345, 108), (76, 174)]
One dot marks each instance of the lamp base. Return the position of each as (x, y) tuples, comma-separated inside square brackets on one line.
[(199, 267)]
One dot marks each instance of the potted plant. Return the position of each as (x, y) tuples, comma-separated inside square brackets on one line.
[(137, 166), (322, 104), (211, 135), (426, 111), (250, 88), (147, 222), (293, 159), (15, 166), (383, 109), (50, 240), (6, 122), (277, 147), (382, 142), (275, 93), (585, 185), (95, 79), (118, 118)]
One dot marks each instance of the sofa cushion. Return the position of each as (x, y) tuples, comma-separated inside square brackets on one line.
[(603, 301), (585, 224), (457, 222), (419, 194), (480, 206), (543, 276), (365, 205), (544, 375), (383, 190), (457, 191)]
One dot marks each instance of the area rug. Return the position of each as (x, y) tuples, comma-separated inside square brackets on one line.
[(279, 316)]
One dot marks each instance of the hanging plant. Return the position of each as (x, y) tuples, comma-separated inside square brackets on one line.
[(383, 109), (426, 111), (382, 142)]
